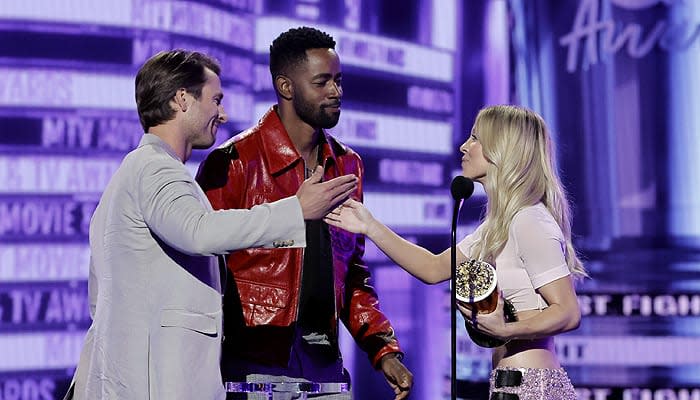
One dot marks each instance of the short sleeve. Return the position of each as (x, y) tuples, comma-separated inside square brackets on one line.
[(540, 245), (465, 245)]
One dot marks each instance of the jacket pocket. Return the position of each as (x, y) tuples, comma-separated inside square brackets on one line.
[(262, 304), (198, 322), (263, 295)]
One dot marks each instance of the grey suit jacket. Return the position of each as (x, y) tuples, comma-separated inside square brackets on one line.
[(154, 285)]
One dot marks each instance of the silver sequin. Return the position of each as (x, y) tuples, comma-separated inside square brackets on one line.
[(539, 384)]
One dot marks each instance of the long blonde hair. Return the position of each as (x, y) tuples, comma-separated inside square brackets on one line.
[(521, 172)]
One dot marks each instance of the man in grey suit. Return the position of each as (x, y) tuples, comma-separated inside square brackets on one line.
[(155, 284)]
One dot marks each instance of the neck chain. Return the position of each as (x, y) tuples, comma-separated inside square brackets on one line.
[(313, 156)]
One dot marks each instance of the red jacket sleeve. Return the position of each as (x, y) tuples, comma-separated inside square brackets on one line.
[(367, 324)]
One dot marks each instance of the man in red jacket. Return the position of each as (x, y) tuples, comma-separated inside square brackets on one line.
[(282, 307)]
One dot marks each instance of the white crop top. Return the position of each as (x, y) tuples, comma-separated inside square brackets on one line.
[(532, 257)]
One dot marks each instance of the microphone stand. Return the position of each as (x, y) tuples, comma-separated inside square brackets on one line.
[(453, 296)]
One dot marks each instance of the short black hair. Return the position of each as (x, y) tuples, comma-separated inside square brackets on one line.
[(162, 75), (289, 49)]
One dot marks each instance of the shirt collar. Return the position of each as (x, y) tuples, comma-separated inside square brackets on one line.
[(151, 139)]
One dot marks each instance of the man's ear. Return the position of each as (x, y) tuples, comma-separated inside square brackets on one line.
[(284, 87), (181, 100)]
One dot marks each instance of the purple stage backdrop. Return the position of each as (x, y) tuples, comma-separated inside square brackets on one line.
[(616, 80)]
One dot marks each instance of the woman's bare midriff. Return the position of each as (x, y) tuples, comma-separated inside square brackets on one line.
[(527, 353)]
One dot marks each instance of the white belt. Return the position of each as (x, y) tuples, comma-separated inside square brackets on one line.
[(287, 387)]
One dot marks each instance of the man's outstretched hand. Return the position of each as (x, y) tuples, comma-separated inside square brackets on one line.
[(318, 198), (399, 377)]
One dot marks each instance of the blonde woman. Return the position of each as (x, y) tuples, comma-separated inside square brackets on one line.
[(525, 234)]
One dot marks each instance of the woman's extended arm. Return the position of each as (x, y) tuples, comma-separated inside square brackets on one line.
[(353, 216)]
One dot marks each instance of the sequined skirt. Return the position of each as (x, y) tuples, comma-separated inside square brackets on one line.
[(537, 384)]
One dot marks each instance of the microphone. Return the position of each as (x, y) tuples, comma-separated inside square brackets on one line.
[(461, 189)]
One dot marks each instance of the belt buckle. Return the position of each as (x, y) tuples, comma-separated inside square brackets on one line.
[(295, 387)]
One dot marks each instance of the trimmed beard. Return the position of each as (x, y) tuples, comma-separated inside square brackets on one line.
[(318, 118)]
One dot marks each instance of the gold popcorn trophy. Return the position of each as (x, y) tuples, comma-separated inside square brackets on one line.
[(476, 285)]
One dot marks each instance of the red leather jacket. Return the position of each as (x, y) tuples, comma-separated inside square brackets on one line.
[(262, 165)]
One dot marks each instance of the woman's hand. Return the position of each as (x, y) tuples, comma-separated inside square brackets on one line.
[(416, 260), (352, 216), (492, 324)]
